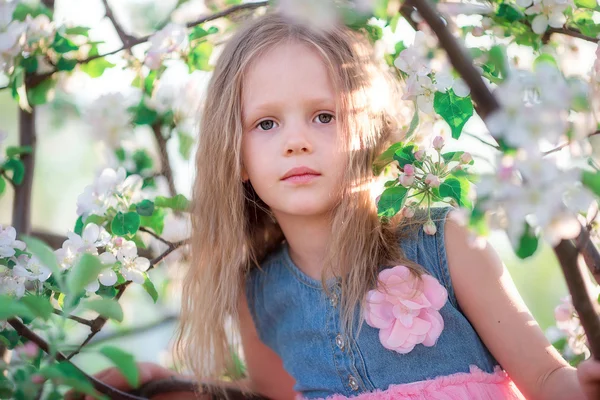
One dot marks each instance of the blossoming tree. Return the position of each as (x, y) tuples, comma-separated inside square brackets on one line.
[(533, 112)]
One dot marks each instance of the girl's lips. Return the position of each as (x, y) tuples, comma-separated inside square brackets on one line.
[(304, 178)]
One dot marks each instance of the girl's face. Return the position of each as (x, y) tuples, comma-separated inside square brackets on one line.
[(288, 112)]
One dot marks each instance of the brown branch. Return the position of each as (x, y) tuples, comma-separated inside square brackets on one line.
[(24, 331), (98, 323), (572, 32), (565, 251), (21, 216), (165, 164), (125, 38), (165, 241), (562, 146), (37, 79), (73, 317)]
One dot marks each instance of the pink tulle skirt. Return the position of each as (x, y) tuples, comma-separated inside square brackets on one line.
[(476, 385)]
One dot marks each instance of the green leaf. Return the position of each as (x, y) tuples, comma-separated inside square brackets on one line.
[(10, 338), (198, 32), (386, 157), (79, 226), (142, 160), (498, 59), (591, 4), (63, 45), (391, 201), (46, 256), (40, 306), (528, 243), (13, 151), (30, 64), (458, 189), (591, 180), (199, 56), (42, 92), (156, 221), (23, 9), (18, 169), (144, 115), (108, 308), (94, 219), (584, 20), (545, 58), (66, 373), (405, 155), (84, 272), (455, 110), (149, 286), (177, 203), (510, 13), (77, 30), (124, 362), (125, 224), (66, 64), (96, 67), (145, 208), (11, 307), (2, 185), (186, 142)]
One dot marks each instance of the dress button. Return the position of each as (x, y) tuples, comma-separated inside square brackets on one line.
[(334, 299), (352, 382), (339, 341)]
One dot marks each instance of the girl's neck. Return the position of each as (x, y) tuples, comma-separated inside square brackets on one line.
[(308, 239)]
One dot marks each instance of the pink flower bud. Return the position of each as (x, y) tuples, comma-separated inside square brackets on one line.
[(438, 142), (432, 180), (153, 60), (563, 312), (29, 350), (118, 241), (419, 155), (406, 180), (505, 173), (457, 168), (408, 212), (37, 379), (477, 31), (466, 158), (429, 228), (409, 169)]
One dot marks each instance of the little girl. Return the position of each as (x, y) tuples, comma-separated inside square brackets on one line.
[(288, 251)]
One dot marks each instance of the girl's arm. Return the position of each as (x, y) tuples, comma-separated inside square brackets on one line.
[(488, 297), (266, 374)]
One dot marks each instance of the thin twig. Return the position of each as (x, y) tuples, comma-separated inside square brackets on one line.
[(165, 164), (100, 338), (125, 38), (24, 331), (562, 146), (36, 79), (73, 317), (495, 146), (572, 32), (165, 241)]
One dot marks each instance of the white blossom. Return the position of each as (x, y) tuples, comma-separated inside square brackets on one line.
[(109, 118), (92, 237), (413, 60), (172, 38), (111, 189), (107, 276), (10, 284), (548, 13), (31, 268), (9, 242), (421, 89), (66, 255), (39, 28), (132, 265)]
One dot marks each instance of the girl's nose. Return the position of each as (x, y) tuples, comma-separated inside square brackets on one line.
[(297, 141)]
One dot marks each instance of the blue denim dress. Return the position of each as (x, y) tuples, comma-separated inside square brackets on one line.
[(295, 318)]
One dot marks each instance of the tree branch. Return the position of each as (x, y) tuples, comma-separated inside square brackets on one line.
[(572, 32), (125, 38), (36, 79), (565, 251), (165, 241), (165, 164), (73, 317), (562, 146)]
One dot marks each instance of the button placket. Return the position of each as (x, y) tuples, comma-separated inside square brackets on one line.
[(352, 382), (339, 342)]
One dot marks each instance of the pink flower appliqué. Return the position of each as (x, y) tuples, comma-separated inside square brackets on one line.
[(407, 314)]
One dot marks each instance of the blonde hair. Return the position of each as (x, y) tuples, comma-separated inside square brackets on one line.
[(232, 230)]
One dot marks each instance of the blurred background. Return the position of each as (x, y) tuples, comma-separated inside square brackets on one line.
[(70, 156)]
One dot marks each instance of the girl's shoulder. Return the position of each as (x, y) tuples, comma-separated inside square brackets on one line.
[(429, 250)]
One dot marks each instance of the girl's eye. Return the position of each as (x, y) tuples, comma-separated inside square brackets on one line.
[(267, 124), (325, 118)]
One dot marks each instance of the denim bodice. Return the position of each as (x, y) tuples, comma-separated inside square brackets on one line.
[(295, 318)]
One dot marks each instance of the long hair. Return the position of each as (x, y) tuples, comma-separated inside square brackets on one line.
[(232, 228)]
